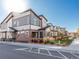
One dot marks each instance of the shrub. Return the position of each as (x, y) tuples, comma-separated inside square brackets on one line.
[(51, 42)]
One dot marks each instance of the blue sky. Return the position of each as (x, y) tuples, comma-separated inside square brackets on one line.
[(64, 13)]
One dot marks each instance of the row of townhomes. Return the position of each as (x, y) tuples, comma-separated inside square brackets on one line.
[(27, 27)]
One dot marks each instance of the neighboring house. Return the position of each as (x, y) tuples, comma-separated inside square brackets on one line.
[(77, 31), (26, 26), (73, 35), (54, 32)]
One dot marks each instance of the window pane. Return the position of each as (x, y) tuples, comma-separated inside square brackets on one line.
[(21, 21), (35, 21)]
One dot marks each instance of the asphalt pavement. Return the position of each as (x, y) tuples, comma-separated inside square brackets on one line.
[(8, 51)]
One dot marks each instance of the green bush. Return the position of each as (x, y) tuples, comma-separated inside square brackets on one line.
[(64, 41), (51, 42), (68, 42)]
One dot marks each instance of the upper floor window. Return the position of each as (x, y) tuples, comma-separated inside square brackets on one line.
[(21, 21), (14, 23), (35, 21)]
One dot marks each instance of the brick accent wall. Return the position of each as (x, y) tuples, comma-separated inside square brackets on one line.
[(22, 36)]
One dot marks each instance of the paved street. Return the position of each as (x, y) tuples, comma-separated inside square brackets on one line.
[(8, 51)]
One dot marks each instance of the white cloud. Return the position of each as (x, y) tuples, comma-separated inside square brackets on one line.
[(15, 5)]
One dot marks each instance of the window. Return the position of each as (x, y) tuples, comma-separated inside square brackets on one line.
[(21, 21), (32, 21), (41, 34), (35, 21), (24, 20), (38, 22), (34, 34), (14, 23)]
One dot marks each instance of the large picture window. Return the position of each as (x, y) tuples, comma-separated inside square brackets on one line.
[(35, 21), (21, 21)]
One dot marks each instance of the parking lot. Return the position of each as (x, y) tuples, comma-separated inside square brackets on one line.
[(61, 54), (14, 51)]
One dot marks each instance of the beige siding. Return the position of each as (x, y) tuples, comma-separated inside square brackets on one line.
[(25, 27), (35, 27)]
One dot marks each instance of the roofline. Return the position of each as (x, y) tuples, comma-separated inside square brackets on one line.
[(6, 17), (23, 12), (44, 17), (33, 13)]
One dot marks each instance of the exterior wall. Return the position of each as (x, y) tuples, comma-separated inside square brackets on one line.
[(44, 22), (10, 35), (30, 20), (18, 15), (25, 27), (35, 27), (23, 30), (9, 24), (2, 36), (3, 27), (52, 27), (21, 21), (23, 36), (37, 22)]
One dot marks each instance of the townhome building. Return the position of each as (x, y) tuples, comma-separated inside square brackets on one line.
[(27, 27)]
